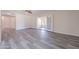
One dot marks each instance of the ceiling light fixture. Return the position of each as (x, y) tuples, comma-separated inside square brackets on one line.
[(29, 11)]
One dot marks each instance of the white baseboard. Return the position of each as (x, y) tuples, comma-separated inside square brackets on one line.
[(20, 28), (68, 34)]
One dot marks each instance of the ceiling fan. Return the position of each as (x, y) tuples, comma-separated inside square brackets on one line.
[(29, 11)]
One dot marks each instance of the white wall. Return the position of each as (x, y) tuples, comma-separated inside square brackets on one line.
[(66, 22), (24, 21), (21, 22)]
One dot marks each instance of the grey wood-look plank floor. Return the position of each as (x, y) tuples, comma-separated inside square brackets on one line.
[(37, 39)]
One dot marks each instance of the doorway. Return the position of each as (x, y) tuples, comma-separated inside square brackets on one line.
[(41, 22), (45, 23)]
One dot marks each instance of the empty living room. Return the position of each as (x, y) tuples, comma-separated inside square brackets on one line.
[(39, 29)]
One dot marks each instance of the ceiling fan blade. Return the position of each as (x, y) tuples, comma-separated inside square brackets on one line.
[(28, 11)]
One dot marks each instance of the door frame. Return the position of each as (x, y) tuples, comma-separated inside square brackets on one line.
[(52, 22)]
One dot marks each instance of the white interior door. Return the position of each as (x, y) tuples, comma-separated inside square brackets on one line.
[(49, 23)]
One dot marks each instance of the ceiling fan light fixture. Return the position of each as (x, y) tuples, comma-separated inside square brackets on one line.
[(28, 11)]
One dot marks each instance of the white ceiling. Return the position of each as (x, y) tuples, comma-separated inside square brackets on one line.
[(23, 12), (34, 12)]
